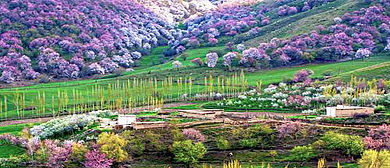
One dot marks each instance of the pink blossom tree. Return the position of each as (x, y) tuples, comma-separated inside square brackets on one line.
[(211, 59), (302, 75), (378, 138)]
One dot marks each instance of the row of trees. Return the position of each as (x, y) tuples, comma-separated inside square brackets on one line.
[(122, 94)]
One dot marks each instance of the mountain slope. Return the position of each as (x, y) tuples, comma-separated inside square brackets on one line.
[(62, 38)]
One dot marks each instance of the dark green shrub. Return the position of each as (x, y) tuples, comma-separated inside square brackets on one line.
[(181, 26), (380, 108), (327, 73), (222, 143), (169, 52), (188, 152), (349, 144), (302, 153), (249, 143)]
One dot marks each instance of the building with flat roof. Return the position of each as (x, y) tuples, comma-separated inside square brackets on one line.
[(347, 111)]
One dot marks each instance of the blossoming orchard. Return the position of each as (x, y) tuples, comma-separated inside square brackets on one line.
[(197, 83)]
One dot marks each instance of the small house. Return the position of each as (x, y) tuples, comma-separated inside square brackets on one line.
[(126, 119), (347, 111)]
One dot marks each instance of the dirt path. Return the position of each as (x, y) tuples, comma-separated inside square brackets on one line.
[(264, 114)]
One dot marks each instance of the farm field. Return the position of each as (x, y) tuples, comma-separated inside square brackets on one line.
[(197, 84)]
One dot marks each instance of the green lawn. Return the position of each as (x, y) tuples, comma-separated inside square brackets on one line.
[(15, 129), (380, 71), (187, 107), (10, 150), (276, 75), (152, 59), (7, 150)]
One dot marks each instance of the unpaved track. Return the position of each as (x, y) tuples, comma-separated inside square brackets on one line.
[(264, 114)]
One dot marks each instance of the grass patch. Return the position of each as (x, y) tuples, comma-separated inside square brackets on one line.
[(379, 71), (145, 114), (15, 129), (7, 151), (187, 107), (152, 59), (303, 117)]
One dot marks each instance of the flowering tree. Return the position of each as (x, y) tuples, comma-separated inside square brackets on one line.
[(378, 138), (197, 61), (337, 20), (91, 29), (252, 56), (302, 75), (387, 48), (125, 60), (95, 68), (213, 41), (211, 59), (362, 53), (193, 135), (108, 65), (193, 43), (227, 58), (15, 67), (289, 130), (176, 64), (96, 159), (241, 47)]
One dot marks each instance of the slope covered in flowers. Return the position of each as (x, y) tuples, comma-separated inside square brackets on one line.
[(72, 38), (354, 35), (176, 11), (239, 20)]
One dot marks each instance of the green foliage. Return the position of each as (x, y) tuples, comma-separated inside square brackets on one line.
[(176, 133), (184, 56), (12, 162), (318, 144), (78, 152), (135, 145), (181, 26), (273, 154), (188, 152), (42, 153), (222, 143), (375, 159), (380, 108), (153, 140), (308, 57), (327, 73), (249, 143), (302, 153), (113, 146), (349, 144), (8, 150), (261, 130)]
